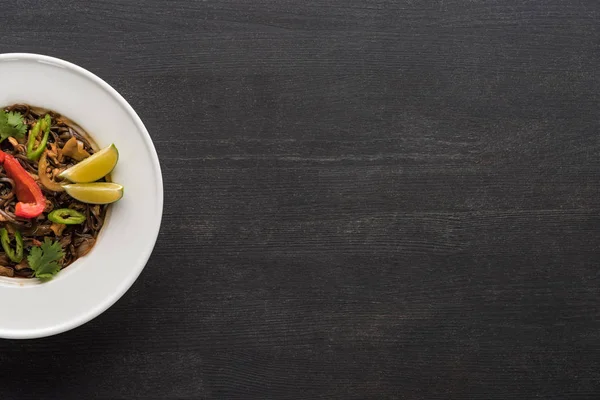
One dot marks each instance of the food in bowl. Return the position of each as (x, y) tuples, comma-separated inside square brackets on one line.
[(124, 245), (55, 190)]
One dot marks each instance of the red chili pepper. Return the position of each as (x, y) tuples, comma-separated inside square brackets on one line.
[(31, 199)]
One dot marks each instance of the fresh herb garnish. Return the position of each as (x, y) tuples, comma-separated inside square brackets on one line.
[(44, 259), (12, 124)]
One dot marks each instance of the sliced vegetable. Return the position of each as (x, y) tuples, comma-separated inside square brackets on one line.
[(74, 149), (95, 193), (44, 260), (16, 254), (6, 271), (57, 228), (43, 125), (31, 199), (94, 167), (66, 216), (44, 178)]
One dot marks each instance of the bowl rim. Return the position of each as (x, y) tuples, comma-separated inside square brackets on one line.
[(144, 256)]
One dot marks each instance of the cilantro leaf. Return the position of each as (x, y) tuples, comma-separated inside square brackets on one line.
[(44, 259), (16, 119), (11, 124)]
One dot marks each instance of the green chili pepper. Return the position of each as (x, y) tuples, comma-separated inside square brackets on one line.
[(66, 216), (42, 124), (16, 254)]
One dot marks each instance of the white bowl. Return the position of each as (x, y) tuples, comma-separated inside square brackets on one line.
[(93, 283)]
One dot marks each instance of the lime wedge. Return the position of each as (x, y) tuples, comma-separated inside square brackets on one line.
[(95, 193), (94, 167)]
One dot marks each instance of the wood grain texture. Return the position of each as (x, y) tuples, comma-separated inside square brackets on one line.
[(363, 199)]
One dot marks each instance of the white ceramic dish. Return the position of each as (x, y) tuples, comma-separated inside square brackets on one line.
[(90, 285)]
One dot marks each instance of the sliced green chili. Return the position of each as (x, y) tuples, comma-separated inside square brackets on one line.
[(66, 216), (42, 124), (16, 254)]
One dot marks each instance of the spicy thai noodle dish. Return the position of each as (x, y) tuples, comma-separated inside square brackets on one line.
[(54, 191)]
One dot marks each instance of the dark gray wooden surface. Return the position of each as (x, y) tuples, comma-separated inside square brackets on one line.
[(363, 199)]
